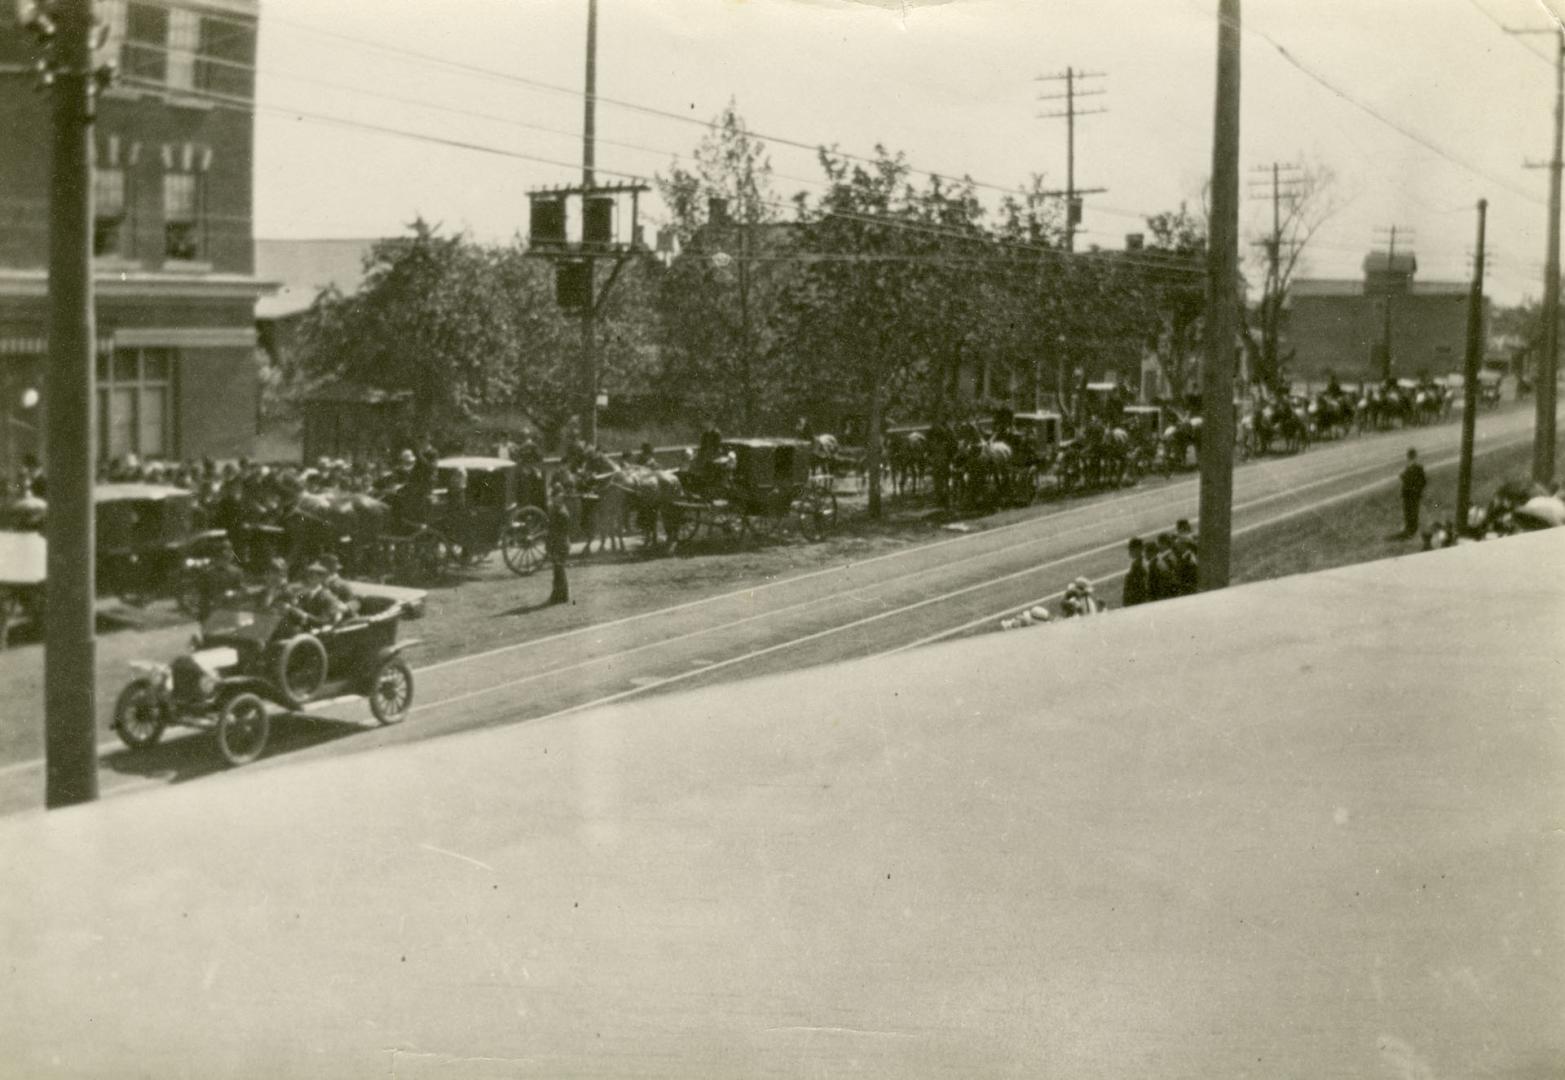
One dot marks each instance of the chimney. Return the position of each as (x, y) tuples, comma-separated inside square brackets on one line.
[(717, 211)]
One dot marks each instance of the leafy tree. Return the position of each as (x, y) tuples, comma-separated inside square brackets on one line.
[(716, 303), (878, 295), (1175, 288), (432, 317)]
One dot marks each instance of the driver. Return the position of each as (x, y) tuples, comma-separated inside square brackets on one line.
[(316, 601)]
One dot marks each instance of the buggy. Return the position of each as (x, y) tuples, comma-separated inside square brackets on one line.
[(757, 487), (479, 504)]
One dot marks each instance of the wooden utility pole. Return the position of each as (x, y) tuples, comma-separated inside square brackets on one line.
[(1544, 381), (1072, 195), (1285, 180), (1464, 479), (1387, 366), (589, 311), (70, 720), (1217, 375)]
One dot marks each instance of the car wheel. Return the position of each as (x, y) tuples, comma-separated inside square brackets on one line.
[(299, 669), (391, 691), (139, 715), (242, 729)]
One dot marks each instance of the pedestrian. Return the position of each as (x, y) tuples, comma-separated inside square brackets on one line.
[(1413, 483), (1136, 583), (1161, 580), (558, 541), (1186, 574)]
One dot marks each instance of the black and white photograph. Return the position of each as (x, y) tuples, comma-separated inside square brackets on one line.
[(781, 538)]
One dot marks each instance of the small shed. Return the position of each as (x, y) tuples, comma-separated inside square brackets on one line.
[(348, 420)]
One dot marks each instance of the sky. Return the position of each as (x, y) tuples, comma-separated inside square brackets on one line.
[(1418, 108)]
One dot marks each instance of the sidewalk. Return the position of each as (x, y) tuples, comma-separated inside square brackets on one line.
[(1304, 827)]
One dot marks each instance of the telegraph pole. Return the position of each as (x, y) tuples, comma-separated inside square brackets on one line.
[(1217, 375), (70, 723), (589, 311), (1271, 302), (1072, 195), (1464, 479), (1547, 368), (1386, 364)]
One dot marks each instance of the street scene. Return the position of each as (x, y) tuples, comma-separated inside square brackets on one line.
[(897, 488)]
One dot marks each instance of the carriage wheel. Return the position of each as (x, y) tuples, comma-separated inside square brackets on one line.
[(242, 729), (522, 543), (139, 717), (391, 691), (817, 514), (687, 523)]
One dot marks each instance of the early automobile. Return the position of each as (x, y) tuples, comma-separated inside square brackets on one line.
[(246, 662), (149, 543)]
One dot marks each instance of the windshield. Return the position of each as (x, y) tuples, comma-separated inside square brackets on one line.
[(242, 621)]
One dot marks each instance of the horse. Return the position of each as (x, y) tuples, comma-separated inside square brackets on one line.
[(345, 524), (650, 495), (1177, 440)]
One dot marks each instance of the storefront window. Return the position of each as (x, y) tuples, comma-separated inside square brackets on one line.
[(134, 403)]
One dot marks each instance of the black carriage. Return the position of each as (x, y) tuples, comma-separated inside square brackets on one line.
[(756, 487), (244, 664), (149, 544), (479, 505)]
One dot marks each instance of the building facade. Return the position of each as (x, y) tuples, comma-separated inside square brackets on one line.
[(1343, 327), (172, 240)]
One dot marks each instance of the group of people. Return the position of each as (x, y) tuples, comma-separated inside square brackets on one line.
[(1162, 568)]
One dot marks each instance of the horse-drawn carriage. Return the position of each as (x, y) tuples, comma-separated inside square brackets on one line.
[(469, 508), (149, 540), (754, 487)]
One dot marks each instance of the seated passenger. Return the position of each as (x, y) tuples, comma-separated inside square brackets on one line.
[(337, 586), (317, 603)]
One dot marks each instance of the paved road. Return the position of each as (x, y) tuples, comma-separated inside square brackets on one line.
[(884, 604)]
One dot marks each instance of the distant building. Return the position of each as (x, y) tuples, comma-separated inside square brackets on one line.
[(172, 238), (1340, 326), (302, 270)]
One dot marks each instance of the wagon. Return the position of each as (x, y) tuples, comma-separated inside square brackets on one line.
[(770, 486), (241, 669), (479, 505)]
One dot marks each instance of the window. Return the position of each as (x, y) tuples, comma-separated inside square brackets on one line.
[(180, 230), (224, 57), (134, 393), (184, 31), (146, 43), (108, 200)]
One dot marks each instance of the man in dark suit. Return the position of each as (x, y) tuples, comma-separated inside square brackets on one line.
[(1413, 483), (1137, 590), (317, 601), (558, 541)]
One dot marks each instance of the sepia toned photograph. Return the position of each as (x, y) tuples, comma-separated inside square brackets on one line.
[(781, 538)]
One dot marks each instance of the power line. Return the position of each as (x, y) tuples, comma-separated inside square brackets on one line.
[(1406, 132), (1486, 13)]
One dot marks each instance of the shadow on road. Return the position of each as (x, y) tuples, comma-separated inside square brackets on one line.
[(190, 755)]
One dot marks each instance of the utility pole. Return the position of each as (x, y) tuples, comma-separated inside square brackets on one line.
[(1464, 478), (70, 722), (1546, 370), (589, 311), (1070, 76), (1285, 180), (1217, 376), (1386, 363)]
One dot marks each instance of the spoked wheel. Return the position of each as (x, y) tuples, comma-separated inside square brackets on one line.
[(817, 514), (689, 525), (242, 729), (391, 691), (139, 717), (522, 543)]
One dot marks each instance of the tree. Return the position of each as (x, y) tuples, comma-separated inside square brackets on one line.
[(1175, 287), (1304, 203), (880, 292), (715, 304), (431, 317)]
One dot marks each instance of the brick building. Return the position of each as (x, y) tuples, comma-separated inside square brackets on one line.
[(173, 245), (1340, 325)]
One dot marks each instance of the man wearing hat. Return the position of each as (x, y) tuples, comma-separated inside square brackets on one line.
[(337, 586), (317, 602), (557, 542)]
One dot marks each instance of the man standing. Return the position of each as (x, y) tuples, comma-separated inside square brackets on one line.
[(1136, 584), (558, 541), (1413, 483)]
